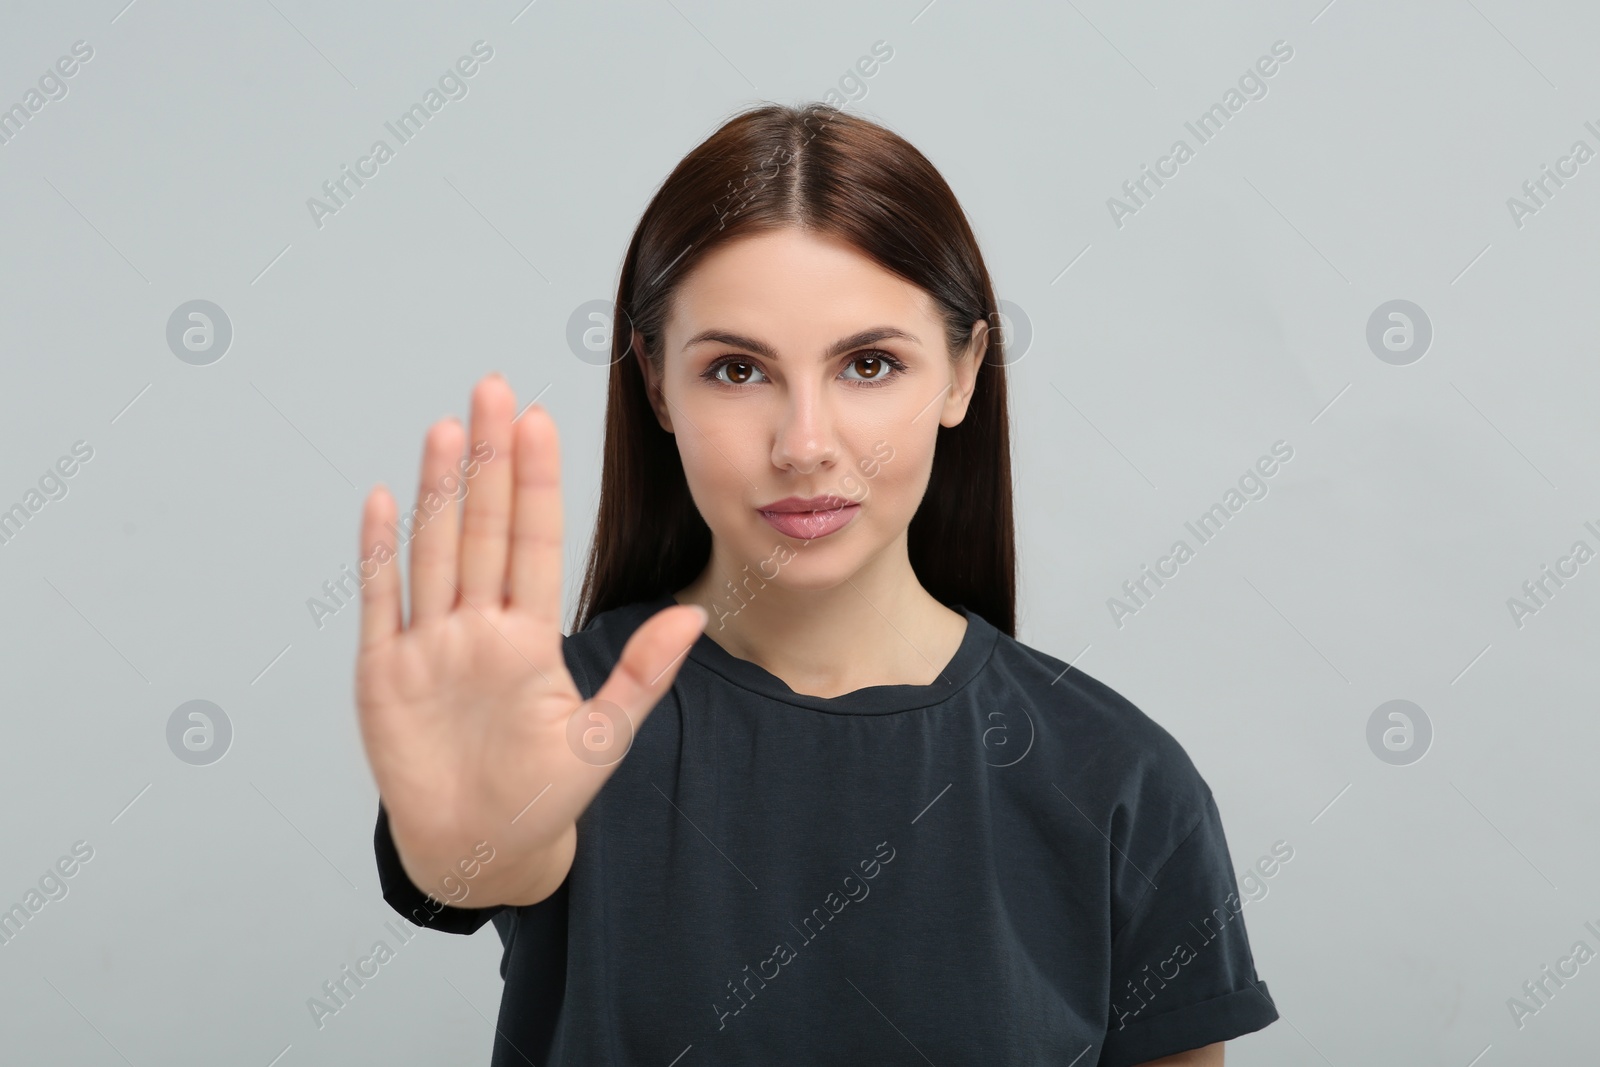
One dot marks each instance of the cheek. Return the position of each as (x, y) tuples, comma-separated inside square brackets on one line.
[(716, 458), (893, 476)]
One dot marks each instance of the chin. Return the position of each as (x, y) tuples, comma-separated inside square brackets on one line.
[(772, 560), (818, 580)]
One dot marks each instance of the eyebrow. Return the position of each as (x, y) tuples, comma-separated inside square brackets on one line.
[(838, 348)]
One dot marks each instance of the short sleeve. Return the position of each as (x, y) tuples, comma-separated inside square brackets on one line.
[(406, 898), (1182, 976)]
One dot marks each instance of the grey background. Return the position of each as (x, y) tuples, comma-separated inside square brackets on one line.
[(1168, 354)]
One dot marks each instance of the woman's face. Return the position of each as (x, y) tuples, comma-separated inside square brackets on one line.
[(795, 367)]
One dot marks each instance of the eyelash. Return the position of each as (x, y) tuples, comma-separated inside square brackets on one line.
[(895, 365)]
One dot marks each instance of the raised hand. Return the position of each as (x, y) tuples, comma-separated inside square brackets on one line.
[(467, 713)]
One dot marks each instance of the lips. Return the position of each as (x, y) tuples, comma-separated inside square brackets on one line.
[(808, 518), (826, 502)]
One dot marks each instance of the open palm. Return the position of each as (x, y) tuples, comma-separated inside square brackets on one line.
[(473, 726)]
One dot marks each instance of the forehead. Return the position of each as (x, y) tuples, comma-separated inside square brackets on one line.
[(797, 288)]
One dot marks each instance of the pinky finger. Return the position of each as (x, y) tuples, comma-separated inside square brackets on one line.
[(380, 591)]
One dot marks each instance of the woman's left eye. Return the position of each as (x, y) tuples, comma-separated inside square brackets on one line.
[(879, 367)]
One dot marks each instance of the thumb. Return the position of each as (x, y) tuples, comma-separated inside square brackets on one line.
[(646, 670)]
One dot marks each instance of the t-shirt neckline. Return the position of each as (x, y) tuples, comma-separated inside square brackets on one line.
[(977, 644)]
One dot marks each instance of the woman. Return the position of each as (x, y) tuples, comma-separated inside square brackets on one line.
[(792, 792)]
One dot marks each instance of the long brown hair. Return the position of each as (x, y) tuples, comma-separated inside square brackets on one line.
[(836, 175)]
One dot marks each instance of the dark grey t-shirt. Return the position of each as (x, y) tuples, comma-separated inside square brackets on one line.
[(1013, 865)]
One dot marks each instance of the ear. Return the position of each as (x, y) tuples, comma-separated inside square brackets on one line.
[(652, 385), (964, 375)]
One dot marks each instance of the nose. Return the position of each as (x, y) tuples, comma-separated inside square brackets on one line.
[(804, 438)]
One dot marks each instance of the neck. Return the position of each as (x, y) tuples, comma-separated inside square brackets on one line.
[(877, 627)]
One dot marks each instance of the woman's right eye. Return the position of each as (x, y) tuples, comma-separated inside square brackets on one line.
[(739, 371)]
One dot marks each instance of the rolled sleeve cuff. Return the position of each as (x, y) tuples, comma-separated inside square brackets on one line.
[(406, 898), (1221, 1018)]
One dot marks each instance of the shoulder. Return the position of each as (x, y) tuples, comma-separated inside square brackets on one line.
[(592, 652), (1096, 719), (1128, 771)]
